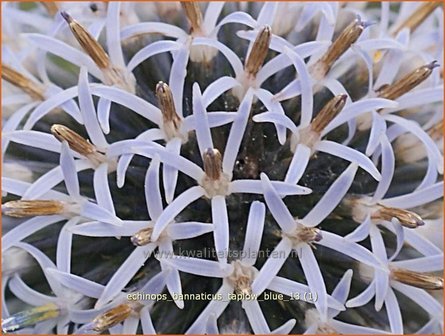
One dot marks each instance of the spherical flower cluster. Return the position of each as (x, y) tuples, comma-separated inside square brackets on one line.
[(239, 167)]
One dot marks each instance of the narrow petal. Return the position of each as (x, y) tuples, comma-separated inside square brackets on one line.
[(221, 227), (350, 249), (378, 129), (125, 273), (174, 208), (152, 27), (231, 57), (26, 229), (103, 114), (393, 311), (298, 164), (356, 109), (172, 279), (215, 307), (89, 112), (307, 100), (255, 187), (152, 190), (132, 102), (25, 293), (272, 266), (152, 49), (177, 77), (76, 283), (95, 212), (254, 233), (35, 139), (255, 316), (99, 229), (170, 174), (331, 198), (113, 27), (69, 172), (66, 52), (350, 155), (346, 328), (146, 322), (276, 206), (276, 118), (416, 198), (341, 291), (64, 243), (314, 279), (293, 288), (211, 15), (102, 188), (217, 88), (423, 264), (130, 325), (363, 298), (387, 170), (414, 128), (196, 266), (203, 135), (188, 230), (236, 133), (361, 232)]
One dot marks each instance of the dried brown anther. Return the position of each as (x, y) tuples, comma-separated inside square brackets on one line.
[(194, 15), (167, 105), (29, 208), (88, 43), (406, 218), (112, 317), (328, 112), (212, 163), (75, 141), (417, 279), (408, 82), (346, 38), (33, 89), (142, 237), (418, 16), (259, 51)]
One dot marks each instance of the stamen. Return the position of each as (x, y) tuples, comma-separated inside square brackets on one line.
[(328, 112), (259, 51), (87, 42), (167, 106), (142, 237), (75, 141), (417, 279), (408, 82), (242, 278), (29, 208), (51, 7), (347, 37), (194, 15), (29, 318), (303, 234), (35, 90), (212, 163), (406, 218), (418, 16), (112, 317)]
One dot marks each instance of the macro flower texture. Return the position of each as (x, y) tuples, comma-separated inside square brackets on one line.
[(222, 167)]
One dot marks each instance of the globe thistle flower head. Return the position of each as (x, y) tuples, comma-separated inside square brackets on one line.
[(222, 167)]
